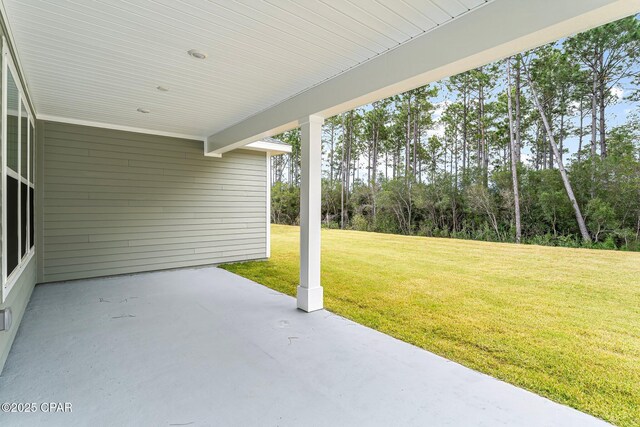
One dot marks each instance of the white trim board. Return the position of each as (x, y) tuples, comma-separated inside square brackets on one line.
[(50, 118), (270, 147), (9, 67), (5, 168), (263, 146)]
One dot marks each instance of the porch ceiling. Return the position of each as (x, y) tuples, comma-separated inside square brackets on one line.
[(269, 62), (100, 61)]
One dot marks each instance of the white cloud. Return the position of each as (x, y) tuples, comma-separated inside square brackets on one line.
[(618, 92), (440, 107), (574, 105), (526, 157), (438, 131)]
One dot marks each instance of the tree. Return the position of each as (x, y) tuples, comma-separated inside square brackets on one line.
[(375, 132), (608, 52), (330, 132), (514, 158), (463, 84), (563, 172)]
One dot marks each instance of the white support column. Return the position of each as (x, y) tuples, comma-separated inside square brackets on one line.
[(310, 295), (268, 203)]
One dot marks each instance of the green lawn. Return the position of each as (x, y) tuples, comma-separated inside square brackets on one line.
[(563, 323)]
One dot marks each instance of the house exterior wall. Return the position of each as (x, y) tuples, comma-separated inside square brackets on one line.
[(17, 299), (117, 202)]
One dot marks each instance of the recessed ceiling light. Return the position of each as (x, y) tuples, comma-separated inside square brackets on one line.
[(143, 110), (197, 54), (162, 88)]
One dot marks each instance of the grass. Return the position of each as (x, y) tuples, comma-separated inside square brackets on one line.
[(563, 323)]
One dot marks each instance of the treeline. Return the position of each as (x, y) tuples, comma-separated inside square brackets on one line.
[(519, 150)]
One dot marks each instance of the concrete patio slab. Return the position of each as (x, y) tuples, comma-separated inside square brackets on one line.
[(204, 347)]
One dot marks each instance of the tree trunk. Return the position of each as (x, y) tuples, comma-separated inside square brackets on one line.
[(563, 173), (594, 103), (386, 164), (374, 164), (456, 162), (333, 128), (514, 160), (483, 141), (415, 140), (465, 113), (581, 132), (537, 145), (602, 103), (518, 145), (549, 147), (594, 108), (561, 136), (342, 173), (407, 141), (374, 167), (545, 147), (369, 156)]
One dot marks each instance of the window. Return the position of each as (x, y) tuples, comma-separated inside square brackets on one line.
[(24, 174), (13, 167), (32, 167), (18, 168), (12, 224)]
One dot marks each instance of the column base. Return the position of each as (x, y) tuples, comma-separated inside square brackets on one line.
[(310, 299)]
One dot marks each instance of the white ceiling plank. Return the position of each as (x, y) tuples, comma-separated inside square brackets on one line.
[(317, 24), (373, 16), (182, 70), (326, 41), (163, 48), (345, 23), (471, 4), (112, 18), (430, 9), (451, 7), (420, 21), (263, 39)]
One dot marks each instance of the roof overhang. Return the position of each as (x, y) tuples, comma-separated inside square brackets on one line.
[(273, 148), (497, 30)]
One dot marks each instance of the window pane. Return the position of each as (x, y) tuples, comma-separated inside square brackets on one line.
[(12, 224), (31, 229), (24, 142), (12, 123), (32, 136), (23, 218)]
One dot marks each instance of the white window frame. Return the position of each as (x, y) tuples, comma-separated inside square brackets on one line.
[(8, 281)]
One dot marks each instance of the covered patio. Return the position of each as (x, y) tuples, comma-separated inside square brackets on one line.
[(206, 347), (135, 139)]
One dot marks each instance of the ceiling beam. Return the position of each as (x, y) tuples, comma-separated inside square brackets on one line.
[(492, 32)]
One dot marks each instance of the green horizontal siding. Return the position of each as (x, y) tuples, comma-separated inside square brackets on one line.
[(17, 300), (120, 202)]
